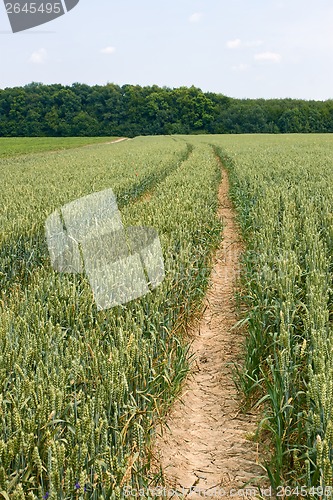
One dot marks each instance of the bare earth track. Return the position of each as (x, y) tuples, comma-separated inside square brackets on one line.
[(205, 444), (116, 140)]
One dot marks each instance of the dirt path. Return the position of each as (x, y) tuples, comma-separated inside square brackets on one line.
[(116, 140), (206, 446)]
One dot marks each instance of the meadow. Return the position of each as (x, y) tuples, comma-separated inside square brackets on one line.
[(82, 390), (20, 146)]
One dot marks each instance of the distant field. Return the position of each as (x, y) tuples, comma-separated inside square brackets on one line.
[(12, 146), (282, 187)]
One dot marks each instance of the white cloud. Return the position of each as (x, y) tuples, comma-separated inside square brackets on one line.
[(240, 67), (108, 50), (237, 43), (268, 56), (196, 17), (234, 44), (38, 57)]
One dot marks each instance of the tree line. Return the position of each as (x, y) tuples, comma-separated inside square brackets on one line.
[(129, 110)]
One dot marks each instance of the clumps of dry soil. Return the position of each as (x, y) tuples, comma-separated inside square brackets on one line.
[(205, 443)]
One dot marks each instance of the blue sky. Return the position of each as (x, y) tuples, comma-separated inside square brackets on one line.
[(240, 48)]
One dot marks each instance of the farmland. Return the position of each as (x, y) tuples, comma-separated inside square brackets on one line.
[(82, 390), (282, 189), (17, 146)]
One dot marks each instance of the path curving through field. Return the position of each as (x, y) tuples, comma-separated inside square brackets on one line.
[(121, 139), (205, 443)]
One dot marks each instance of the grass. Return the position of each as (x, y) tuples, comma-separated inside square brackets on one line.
[(15, 146)]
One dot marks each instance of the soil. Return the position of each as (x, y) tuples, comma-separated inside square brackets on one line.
[(116, 140), (206, 443)]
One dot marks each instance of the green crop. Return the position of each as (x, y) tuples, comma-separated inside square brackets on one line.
[(82, 390), (15, 146), (282, 189)]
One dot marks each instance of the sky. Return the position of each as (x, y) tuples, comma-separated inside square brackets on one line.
[(239, 48)]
